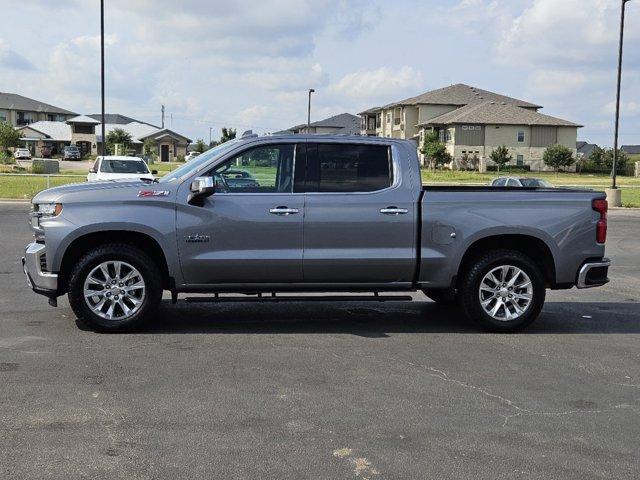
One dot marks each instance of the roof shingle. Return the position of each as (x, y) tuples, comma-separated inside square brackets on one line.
[(494, 113)]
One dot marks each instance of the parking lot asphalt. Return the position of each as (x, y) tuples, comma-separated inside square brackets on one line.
[(323, 390)]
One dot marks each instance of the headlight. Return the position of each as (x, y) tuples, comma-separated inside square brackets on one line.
[(44, 210), (47, 209)]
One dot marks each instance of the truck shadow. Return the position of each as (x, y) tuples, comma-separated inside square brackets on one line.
[(378, 320)]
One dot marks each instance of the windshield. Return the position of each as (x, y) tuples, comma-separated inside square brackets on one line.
[(72, 149), (535, 182), (200, 160), (123, 166)]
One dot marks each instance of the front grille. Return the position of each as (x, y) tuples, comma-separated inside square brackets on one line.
[(43, 263)]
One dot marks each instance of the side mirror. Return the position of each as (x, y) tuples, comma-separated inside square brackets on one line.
[(93, 170), (154, 172), (200, 188)]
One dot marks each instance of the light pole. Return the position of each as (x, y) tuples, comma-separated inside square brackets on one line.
[(311, 90), (104, 140), (615, 139)]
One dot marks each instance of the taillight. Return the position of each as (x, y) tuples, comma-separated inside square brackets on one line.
[(601, 206)]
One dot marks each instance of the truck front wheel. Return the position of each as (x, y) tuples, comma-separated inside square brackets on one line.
[(115, 287), (502, 291)]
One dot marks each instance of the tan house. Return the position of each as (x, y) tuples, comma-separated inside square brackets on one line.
[(85, 132), (20, 111), (465, 114)]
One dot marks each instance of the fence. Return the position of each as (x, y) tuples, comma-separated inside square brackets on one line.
[(26, 185)]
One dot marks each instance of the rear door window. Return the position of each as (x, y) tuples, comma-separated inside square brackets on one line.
[(346, 168)]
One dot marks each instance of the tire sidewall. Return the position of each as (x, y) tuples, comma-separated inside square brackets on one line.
[(472, 304), (134, 257)]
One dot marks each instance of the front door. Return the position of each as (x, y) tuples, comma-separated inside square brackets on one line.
[(360, 219), (164, 153), (250, 230)]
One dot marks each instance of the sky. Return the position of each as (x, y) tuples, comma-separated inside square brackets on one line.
[(248, 64)]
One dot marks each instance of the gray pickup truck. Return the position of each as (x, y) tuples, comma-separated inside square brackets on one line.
[(321, 214)]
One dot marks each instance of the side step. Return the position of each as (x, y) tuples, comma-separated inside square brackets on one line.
[(272, 298)]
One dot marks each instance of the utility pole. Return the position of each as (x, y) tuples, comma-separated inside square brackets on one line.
[(311, 90), (162, 109), (104, 140), (210, 128), (615, 194)]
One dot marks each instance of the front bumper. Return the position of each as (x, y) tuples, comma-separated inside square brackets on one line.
[(593, 273), (42, 282)]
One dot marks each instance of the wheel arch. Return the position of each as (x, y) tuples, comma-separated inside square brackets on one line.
[(87, 241), (533, 247)]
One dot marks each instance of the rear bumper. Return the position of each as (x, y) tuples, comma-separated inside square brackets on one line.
[(593, 273), (42, 282)]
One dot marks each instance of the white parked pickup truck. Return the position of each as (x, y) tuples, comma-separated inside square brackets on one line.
[(119, 168)]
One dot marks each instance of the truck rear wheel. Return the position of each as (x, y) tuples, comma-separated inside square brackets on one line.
[(502, 291), (115, 287)]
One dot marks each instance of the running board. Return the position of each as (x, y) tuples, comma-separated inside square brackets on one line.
[(290, 298)]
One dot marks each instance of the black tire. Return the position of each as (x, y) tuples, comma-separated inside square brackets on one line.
[(115, 252), (469, 290), (442, 296)]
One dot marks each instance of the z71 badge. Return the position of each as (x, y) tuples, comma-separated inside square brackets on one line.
[(153, 193)]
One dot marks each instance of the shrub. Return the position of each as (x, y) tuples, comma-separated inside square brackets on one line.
[(557, 156)]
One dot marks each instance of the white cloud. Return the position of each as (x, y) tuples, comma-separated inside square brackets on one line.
[(378, 84), (10, 59), (627, 109)]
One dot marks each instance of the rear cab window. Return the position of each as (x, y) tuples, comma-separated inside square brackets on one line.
[(348, 168)]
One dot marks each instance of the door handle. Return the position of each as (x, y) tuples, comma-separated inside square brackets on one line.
[(393, 211), (283, 211)]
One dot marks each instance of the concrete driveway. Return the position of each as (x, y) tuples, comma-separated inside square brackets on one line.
[(323, 390)]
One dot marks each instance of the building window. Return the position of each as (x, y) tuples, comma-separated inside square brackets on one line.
[(378, 120), (80, 128), (372, 123), (55, 117), (520, 137), (448, 135), (389, 117), (25, 118), (520, 160), (3, 116)]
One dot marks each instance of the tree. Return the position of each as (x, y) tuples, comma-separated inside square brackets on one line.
[(118, 136), (9, 136), (557, 156), (501, 156), (201, 147), (602, 159), (150, 147), (228, 133), (434, 150)]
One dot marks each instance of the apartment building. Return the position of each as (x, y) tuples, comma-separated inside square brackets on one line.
[(19, 110), (473, 121)]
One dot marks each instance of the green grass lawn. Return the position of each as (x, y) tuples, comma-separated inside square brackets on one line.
[(17, 186), (25, 186)]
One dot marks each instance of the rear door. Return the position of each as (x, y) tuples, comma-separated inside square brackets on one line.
[(359, 216)]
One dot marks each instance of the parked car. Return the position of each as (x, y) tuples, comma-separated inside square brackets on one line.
[(71, 152), (191, 156), (339, 213), (235, 178), (45, 151), (22, 154), (521, 182), (118, 168)]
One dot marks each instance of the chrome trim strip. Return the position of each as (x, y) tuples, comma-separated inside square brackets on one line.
[(41, 280), (584, 270)]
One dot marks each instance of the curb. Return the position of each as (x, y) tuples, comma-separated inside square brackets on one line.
[(15, 200)]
